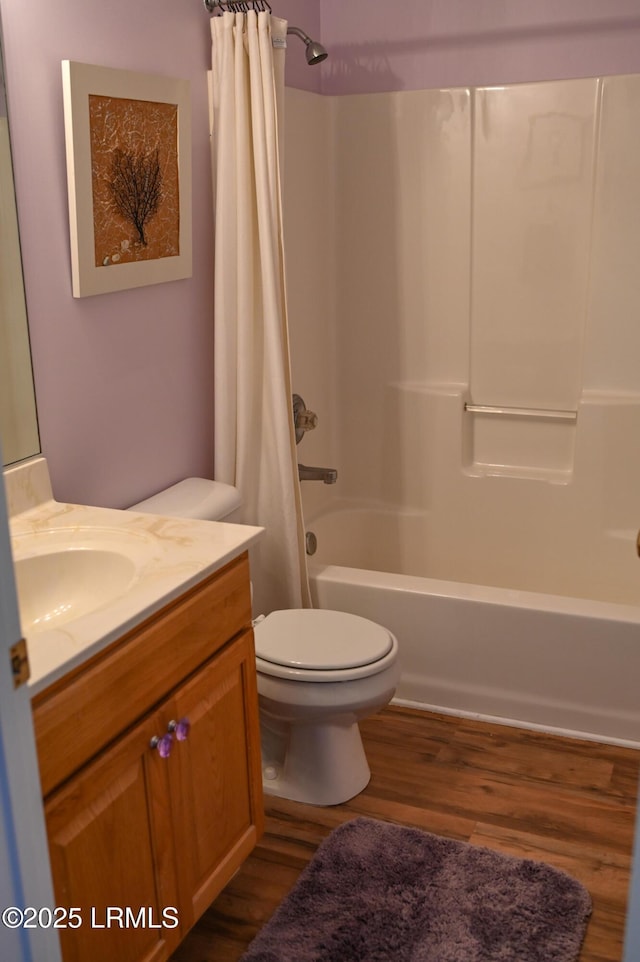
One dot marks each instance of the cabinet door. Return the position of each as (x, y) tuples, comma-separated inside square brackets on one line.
[(216, 779), (112, 855)]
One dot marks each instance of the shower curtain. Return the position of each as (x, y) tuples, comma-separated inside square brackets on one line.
[(254, 432)]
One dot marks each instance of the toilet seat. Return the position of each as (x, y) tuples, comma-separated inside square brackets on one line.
[(313, 644)]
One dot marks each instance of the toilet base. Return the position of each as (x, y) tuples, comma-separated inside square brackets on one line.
[(320, 764)]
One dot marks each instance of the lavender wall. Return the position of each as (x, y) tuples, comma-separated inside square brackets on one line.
[(125, 381), (376, 45)]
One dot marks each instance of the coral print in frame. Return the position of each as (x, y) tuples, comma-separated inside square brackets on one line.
[(128, 140)]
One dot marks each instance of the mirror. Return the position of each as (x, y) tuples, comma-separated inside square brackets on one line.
[(18, 417)]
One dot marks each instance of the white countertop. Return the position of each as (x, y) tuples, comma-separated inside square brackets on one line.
[(171, 555)]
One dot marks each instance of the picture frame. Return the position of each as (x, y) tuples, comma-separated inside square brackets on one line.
[(128, 148)]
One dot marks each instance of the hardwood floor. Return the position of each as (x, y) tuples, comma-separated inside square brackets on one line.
[(564, 801)]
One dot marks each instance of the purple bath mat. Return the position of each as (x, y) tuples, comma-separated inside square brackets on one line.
[(378, 892)]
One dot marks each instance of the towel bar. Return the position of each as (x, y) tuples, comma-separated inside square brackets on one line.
[(522, 412)]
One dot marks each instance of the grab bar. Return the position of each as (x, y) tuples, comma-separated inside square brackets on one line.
[(522, 412)]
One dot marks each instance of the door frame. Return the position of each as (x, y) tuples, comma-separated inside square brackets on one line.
[(25, 874)]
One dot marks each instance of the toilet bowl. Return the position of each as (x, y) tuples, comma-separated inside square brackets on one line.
[(318, 672)]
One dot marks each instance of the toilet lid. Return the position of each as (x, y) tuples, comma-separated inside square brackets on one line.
[(313, 638)]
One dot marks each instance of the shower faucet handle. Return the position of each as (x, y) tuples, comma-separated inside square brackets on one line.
[(307, 420), (303, 419)]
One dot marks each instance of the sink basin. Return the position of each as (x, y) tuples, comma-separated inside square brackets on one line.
[(63, 574), (60, 586)]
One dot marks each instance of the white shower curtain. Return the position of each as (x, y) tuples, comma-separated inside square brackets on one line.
[(254, 434)]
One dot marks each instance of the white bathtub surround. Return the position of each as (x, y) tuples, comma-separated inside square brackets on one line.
[(533, 170), (161, 559), (254, 439), (482, 255), (487, 244)]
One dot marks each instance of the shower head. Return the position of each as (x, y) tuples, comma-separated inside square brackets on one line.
[(315, 52)]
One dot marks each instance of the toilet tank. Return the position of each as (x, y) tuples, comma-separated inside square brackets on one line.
[(195, 498)]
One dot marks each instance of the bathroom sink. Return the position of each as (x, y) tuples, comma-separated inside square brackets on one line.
[(60, 586), (63, 575)]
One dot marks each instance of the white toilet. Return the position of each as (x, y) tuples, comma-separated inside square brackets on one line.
[(318, 671)]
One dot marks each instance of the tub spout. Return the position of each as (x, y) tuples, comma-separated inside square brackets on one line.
[(327, 475)]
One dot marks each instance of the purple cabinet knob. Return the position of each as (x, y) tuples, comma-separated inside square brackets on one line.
[(180, 728), (162, 744)]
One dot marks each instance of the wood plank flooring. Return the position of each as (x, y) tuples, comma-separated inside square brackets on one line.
[(564, 801)]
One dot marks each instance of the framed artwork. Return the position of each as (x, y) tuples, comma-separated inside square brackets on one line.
[(128, 143)]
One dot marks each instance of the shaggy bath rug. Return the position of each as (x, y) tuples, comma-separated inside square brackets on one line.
[(378, 892)]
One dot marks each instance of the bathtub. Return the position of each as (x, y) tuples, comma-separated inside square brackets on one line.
[(567, 663)]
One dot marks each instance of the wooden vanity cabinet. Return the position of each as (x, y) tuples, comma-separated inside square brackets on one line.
[(110, 844), (140, 843)]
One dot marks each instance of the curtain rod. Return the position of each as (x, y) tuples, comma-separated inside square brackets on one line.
[(236, 6), (314, 52)]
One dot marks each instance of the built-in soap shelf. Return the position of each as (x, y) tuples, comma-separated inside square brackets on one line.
[(519, 442)]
